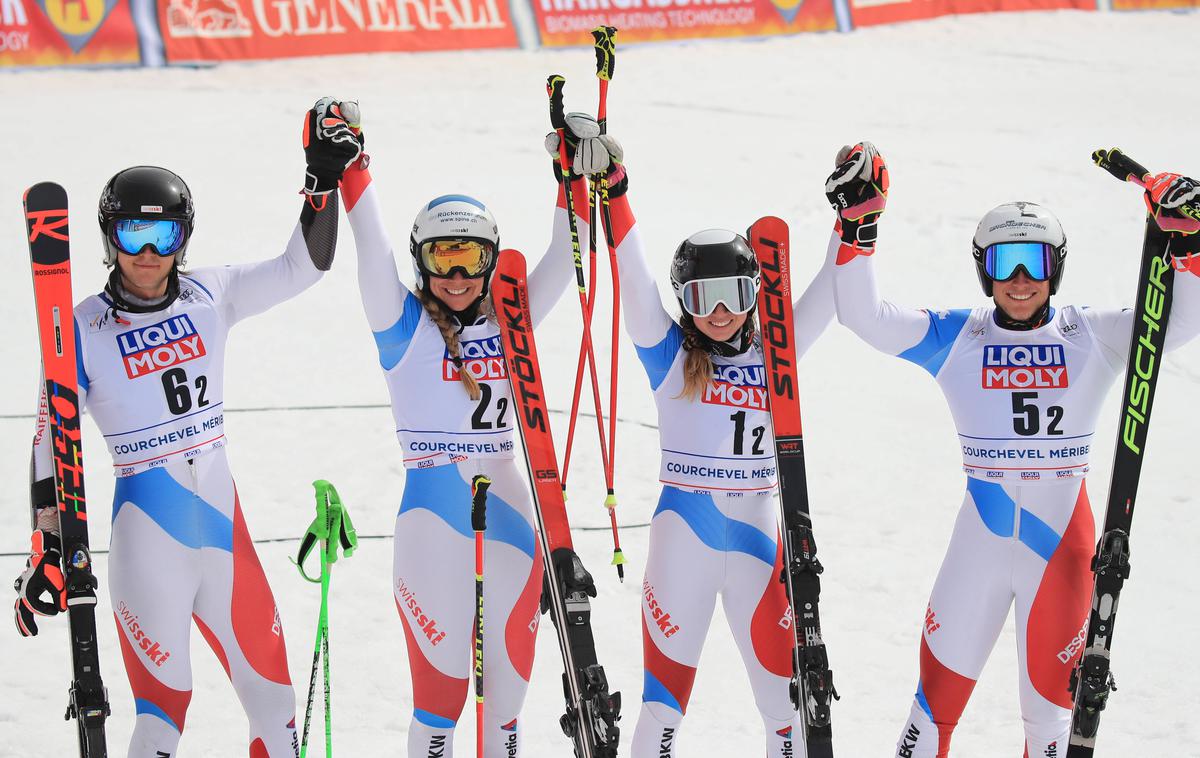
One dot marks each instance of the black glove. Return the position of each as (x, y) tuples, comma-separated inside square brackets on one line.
[(42, 576), (331, 144), (857, 190)]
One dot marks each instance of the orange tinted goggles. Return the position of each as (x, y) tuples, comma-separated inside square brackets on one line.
[(442, 257)]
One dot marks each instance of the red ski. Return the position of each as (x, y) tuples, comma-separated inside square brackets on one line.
[(592, 711), (50, 254), (812, 681)]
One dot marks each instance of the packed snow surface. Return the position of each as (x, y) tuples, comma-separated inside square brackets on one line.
[(970, 112)]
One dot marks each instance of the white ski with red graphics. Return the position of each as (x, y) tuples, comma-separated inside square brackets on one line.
[(812, 681), (50, 256), (592, 711)]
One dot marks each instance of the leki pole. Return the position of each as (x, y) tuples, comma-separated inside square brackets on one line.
[(331, 529), (479, 488)]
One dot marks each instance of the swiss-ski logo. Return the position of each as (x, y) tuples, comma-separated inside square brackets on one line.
[(153, 348), (482, 359), (738, 386), (1015, 367)]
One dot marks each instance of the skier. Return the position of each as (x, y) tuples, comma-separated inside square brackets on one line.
[(151, 354), (1025, 382), (715, 531), (440, 351)]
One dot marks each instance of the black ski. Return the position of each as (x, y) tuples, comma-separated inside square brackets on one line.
[(50, 256), (592, 711), (812, 681), (1091, 679)]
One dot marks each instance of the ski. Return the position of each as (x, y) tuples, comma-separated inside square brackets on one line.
[(592, 711), (50, 256), (1091, 679), (812, 681)]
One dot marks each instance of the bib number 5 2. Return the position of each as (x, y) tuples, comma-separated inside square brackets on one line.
[(1027, 416)]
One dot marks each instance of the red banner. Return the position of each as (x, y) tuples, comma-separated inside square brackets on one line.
[(66, 32), (213, 30), (569, 22), (873, 12), (1145, 5)]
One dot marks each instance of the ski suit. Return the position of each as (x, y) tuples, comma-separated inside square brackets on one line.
[(180, 552), (715, 531), (446, 438), (1025, 404)]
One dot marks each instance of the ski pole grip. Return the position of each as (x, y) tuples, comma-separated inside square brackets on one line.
[(606, 60), (554, 88), (1121, 166), (479, 488)]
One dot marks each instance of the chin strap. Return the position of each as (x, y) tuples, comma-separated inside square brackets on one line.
[(1039, 318)]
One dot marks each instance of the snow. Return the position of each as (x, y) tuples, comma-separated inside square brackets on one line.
[(969, 111)]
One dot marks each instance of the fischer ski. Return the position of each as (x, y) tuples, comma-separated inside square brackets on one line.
[(592, 711), (1091, 679), (812, 681), (50, 256)]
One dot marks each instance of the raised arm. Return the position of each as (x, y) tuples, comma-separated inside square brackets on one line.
[(858, 192), (330, 146), (587, 155), (814, 309), (1173, 201)]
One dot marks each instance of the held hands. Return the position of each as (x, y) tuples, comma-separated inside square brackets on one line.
[(42, 576), (857, 190), (588, 151), (333, 141)]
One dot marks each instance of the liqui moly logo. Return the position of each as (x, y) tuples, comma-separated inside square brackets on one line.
[(1018, 367), (738, 386), (482, 359), (153, 348)]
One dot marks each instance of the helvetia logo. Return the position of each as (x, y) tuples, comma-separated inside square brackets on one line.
[(482, 359), (738, 386), (153, 348), (1018, 367), (786, 748)]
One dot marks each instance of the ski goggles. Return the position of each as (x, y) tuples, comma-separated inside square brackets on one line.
[(700, 297), (1001, 261), (441, 257), (132, 235)]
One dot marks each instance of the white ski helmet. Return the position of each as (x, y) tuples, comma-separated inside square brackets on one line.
[(1020, 222), (454, 217)]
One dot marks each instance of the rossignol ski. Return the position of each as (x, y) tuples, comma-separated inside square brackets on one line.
[(50, 255), (592, 711), (812, 681), (1091, 679)]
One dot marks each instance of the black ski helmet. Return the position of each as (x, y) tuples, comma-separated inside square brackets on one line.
[(145, 192), (715, 254)]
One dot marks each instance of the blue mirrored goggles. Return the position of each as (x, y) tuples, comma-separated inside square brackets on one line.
[(1001, 261), (164, 235)]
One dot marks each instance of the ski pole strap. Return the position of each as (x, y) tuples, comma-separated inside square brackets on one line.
[(332, 528), (1120, 165)]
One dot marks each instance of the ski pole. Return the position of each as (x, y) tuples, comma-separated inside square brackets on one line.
[(604, 38), (479, 488), (331, 529)]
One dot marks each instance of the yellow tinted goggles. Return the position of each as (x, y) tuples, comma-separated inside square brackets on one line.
[(442, 257)]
